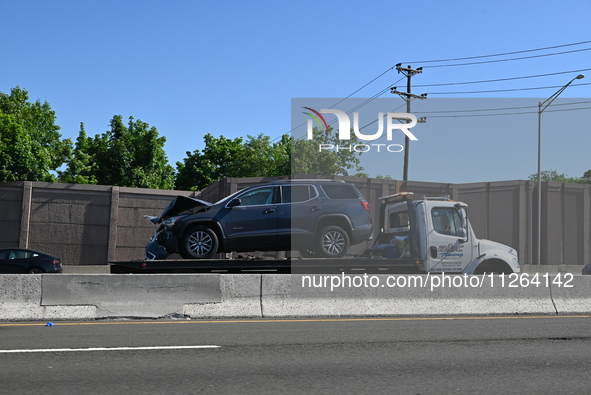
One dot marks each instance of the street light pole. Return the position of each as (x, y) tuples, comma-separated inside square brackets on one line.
[(541, 107)]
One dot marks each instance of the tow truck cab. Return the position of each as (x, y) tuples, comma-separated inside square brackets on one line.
[(435, 232)]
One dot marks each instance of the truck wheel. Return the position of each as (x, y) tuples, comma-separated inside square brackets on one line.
[(333, 242), (200, 242), (493, 266)]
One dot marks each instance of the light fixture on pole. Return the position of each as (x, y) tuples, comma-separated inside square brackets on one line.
[(541, 107)]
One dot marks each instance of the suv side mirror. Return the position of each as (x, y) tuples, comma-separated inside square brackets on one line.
[(234, 202)]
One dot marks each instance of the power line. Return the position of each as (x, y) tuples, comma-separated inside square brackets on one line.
[(504, 79), (499, 54), (380, 93), (498, 109), (510, 59), (469, 82), (503, 90), (508, 113), (359, 106), (363, 86), (488, 115), (348, 112), (372, 122)]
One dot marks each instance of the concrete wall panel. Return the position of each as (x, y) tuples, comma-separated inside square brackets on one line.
[(134, 296)]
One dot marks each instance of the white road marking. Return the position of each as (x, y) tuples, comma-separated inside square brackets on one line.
[(104, 349)]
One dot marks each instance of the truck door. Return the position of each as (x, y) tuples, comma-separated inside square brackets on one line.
[(449, 250)]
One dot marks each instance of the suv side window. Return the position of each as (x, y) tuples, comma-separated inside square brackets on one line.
[(447, 221), (297, 193), (340, 191), (256, 197)]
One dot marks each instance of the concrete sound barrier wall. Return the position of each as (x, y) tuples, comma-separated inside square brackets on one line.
[(93, 224)]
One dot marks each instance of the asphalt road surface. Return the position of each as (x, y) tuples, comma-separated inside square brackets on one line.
[(461, 355)]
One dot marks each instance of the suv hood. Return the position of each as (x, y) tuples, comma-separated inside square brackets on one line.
[(178, 205)]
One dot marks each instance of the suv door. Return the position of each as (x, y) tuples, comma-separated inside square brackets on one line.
[(253, 223), (298, 213)]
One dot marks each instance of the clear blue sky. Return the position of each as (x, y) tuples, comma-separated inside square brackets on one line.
[(232, 68)]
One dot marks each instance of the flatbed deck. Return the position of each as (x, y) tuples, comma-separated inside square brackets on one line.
[(295, 266)]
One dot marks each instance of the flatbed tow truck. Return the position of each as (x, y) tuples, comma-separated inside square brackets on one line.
[(429, 235)]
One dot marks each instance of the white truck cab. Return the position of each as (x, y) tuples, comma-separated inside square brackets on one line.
[(435, 233)]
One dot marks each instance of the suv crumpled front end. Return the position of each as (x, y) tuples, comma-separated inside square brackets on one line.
[(156, 247)]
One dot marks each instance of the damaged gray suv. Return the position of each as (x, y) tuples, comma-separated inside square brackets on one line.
[(321, 218)]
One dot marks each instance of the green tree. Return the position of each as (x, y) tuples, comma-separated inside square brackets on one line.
[(81, 166), (307, 158), (554, 176), (220, 158), (31, 147), (131, 156), (263, 158), (258, 156)]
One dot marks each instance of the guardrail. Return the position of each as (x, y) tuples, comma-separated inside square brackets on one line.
[(200, 296)]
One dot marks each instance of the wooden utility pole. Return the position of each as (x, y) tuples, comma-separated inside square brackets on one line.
[(408, 97)]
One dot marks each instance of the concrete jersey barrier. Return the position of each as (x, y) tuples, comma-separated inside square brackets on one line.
[(204, 296)]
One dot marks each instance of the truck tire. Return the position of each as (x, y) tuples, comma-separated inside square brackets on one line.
[(332, 242), (199, 242), (493, 266)]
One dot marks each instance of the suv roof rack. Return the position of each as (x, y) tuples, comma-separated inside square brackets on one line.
[(310, 180)]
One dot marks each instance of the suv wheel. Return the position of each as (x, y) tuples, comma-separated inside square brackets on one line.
[(333, 242), (200, 242)]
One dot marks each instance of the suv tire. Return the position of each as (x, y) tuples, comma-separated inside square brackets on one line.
[(332, 242), (199, 242)]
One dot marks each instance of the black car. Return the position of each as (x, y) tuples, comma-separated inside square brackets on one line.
[(316, 217), (18, 260), (587, 269)]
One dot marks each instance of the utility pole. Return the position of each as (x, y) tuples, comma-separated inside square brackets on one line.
[(408, 97)]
